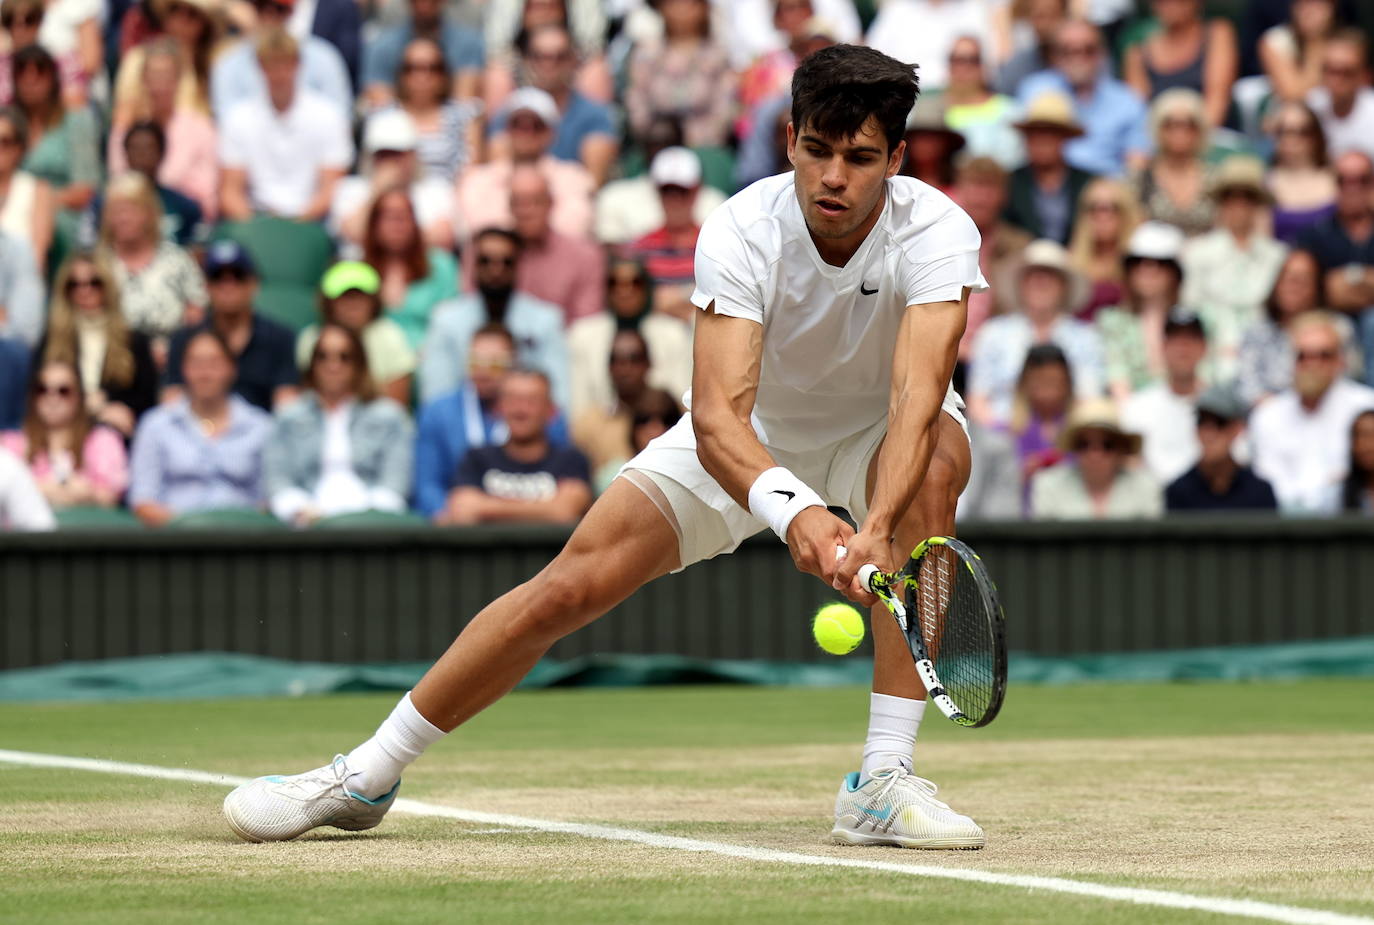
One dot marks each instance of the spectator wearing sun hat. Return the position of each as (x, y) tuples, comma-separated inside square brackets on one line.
[(350, 297), (1097, 482), (1043, 195)]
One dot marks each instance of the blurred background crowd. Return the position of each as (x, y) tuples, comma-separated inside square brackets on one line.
[(430, 259)]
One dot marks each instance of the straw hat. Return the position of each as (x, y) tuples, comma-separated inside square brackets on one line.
[(1053, 111), (1097, 414), (928, 115), (1051, 255), (1240, 172)]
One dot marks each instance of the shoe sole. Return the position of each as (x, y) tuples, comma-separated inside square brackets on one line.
[(842, 836), (239, 830)]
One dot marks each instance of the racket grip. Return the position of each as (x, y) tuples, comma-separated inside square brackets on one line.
[(866, 572)]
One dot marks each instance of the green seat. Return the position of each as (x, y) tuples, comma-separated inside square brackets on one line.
[(368, 519), (227, 519), (291, 257), (96, 518), (717, 166)]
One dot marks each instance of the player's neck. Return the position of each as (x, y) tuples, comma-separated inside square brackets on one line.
[(838, 251)]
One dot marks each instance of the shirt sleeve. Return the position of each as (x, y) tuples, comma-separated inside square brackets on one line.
[(724, 274), (337, 147), (145, 464), (944, 274)]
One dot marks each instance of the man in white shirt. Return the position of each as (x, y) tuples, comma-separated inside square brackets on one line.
[(22, 505), (1165, 413), (237, 77), (284, 154), (832, 301), (1301, 437), (1344, 101)]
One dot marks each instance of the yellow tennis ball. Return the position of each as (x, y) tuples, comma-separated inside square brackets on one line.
[(838, 628)]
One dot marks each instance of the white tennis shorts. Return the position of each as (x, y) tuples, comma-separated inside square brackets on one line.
[(707, 520)]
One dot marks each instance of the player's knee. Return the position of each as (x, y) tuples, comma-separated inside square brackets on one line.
[(558, 604)]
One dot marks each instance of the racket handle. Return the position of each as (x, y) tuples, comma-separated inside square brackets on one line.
[(866, 572)]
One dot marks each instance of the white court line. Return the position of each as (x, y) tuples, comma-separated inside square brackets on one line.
[(1244, 908)]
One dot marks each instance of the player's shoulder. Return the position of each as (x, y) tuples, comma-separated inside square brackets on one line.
[(753, 217), (925, 223)]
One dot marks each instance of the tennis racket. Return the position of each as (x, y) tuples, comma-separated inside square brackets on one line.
[(947, 606)]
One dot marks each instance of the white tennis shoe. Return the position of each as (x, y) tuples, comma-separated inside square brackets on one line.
[(895, 807), (280, 808)]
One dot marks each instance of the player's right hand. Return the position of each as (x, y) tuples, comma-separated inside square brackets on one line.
[(812, 537)]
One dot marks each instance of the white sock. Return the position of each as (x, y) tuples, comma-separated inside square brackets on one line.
[(892, 725), (401, 739)]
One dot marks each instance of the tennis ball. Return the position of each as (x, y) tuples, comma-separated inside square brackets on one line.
[(838, 628)]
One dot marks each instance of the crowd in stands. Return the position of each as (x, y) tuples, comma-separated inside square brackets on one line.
[(433, 258)]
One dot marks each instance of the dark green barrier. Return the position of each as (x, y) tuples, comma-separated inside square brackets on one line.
[(401, 595)]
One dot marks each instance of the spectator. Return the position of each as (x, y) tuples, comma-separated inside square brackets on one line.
[(925, 31), (1301, 436), (654, 414), (630, 208), (338, 22), (1133, 331), (340, 448), (564, 271), (21, 292), (1173, 185), (383, 55), (1229, 271), (28, 207), (1115, 137), (982, 117), (238, 77), (685, 73), (14, 374), (1344, 246), (1096, 482), (1164, 413), (195, 26), (448, 131), (181, 222), (751, 35), (1045, 192), (1300, 179), (1108, 214), (283, 154), (1039, 414), (415, 278), (22, 21), (191, 149), (586, 131), (629, 307), (87, 328), (669, 251), (21, 503), (770, 74), (510, 22), (74, 461), (764, 152), (1033, 51), (536, 326), (980, 187), (931, 144), (160, 285), (1186, 52), (350, 297), (1047, 287), (528, 479), (1291, 53), (1345, 102), (484, 189), (203, 451), (64, 144), (466, 417), (389, 161), (993, 491), (603, 432), (261, 348), (1357, 494), (1218, 482)]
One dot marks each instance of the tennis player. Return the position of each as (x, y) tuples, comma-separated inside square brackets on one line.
[(832, 301)]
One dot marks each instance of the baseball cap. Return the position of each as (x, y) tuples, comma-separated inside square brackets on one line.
[(390, 130), (348, 275), (532, 99), (1155, 241), (676, 166), (225, 255), (1181, 320), (1222, 402)]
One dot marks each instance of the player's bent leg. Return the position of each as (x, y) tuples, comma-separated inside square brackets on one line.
[(622, 543), (885, 803)]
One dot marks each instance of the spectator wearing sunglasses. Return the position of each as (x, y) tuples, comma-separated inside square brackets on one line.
[(464, 55), (237, 76), (350, 296), (448, 131), (536, 326), (603, 433), (1301, 436), (74, 460), (22, 21), (1097, 482), (341, 447), (1218, 482), (263, 350), (1344, 101)]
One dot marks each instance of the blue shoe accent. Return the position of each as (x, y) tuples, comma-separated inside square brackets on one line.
[(851, 781), (880, 816), (275, 778), (377, 802)]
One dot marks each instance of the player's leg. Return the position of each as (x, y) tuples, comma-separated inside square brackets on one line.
[(622, 543)]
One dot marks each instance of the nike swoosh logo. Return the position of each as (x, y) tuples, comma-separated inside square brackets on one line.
[(880, 816), (778, 491), (866, 291)]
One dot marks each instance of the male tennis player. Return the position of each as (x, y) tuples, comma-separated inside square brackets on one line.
[(832, 304)]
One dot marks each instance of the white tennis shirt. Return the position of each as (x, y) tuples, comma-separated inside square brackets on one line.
[(829, 332)]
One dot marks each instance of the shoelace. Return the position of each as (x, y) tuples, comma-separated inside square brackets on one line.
[(326, 780), (893, 775)]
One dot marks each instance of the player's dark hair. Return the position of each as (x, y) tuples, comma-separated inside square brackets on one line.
[(836, 89)]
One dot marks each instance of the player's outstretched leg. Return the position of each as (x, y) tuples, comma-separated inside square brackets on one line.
[(622, 543), (885, 803)]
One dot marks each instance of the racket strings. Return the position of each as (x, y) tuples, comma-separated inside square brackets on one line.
[(949, 609)]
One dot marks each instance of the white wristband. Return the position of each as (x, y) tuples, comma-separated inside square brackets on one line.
[(777, 496)]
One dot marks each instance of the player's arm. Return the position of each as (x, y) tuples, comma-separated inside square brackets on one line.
[(923, 362), (727, 355)]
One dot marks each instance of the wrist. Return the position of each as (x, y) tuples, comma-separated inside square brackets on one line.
[(777, 496)]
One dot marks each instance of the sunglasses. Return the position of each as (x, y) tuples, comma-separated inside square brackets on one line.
[(81, 282), (1103, 207), (422, 67), (342, 356), (1105, 444), (9, 141), (233, 276), (633, 282), (1324, 356), (489, 364), (1283, 130), (485, 260), (1336, 70), (1086, 51), (61, 391), (636, 357), (552, 56), (30, 21), (1356, 179)]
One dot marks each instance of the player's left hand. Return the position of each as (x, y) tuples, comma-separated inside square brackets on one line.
[(862, 549)]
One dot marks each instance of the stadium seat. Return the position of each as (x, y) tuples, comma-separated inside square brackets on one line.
[(371, 519), (96, 518), (228, 519), (291, 257)]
